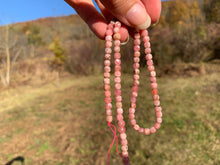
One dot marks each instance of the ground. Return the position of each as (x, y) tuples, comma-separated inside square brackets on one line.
[(65, 124)]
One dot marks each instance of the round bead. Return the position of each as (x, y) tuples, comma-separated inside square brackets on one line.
[(153, 79), (123, 136), (137, 36), (107, 56), (133, 99), (117, 92), (116, 30), (117, 55), (117, 49), (144, 33), (136, 82), (157, 103), (108, 106), (158, 109), (133, 105), (152, 130), (124, 148), (147, 50), (154, 91), (118, 98), (107, 62), (150, 68), (150, 62), (159, 114), (136, 77), (136, 127), (121, 129), (134, 94), (118, 24), (156, 97), (136, 59), (153, 85), (146, 39), (107, 69), (108, 112), (117, 61), (120, 111), (117, 42), (133, 122), (136, 48), (157, 126), (152, 73), (107, 75), (117, 79), (107, 93), (131, 110), (118, 105), (117, 68), (108, 50), (137, 41), (131, 116), (159, 120), (106, 81), (119, 117), (118, 73), (141, 130), (124, 142), (109, 32), (121, 123), (137, 54), (108, 38), (147, 131), (149, 57), (125, 154), (117, 36), (117, 86), (109, 119), (107, 87), (136, 71), (108, 44)]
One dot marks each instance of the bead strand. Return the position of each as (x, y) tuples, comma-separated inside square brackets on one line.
[(134, 94), (107, 69), (118, 97)]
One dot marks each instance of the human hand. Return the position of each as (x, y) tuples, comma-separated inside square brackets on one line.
[(134, 14)]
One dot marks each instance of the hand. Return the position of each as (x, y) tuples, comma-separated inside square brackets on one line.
[(138, 14)]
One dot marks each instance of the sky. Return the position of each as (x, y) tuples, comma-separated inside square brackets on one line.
[(12, 11)]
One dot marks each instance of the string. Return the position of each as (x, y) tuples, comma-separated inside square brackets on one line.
[(115, 137)]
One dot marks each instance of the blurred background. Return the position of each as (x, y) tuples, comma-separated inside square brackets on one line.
[(51, 91)]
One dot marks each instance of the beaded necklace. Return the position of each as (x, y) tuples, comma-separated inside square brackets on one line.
[(112, 34)]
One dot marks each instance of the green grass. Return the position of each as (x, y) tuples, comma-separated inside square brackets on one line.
[(67, 126)]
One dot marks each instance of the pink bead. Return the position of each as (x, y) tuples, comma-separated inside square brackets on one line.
[(123, 136), (107, 94), (121, 123), (106, 81), (117, 79), (149, 57), (108, 106), (108, 112), (136, 82), (133, 99), (156, 97), (107, 56), (119, 117), (121, 129), (133, 122), (117, 36), (108, 38), (150, 68), (117, 55), (147, 50), (141, 130), (147, 43), (152, 130), (156, 102), (137, 41), (118, 98), (152, 73), (117, 42), (135, 88), (133, 105), (157, 126), (109, 119), (136, 48), (134, 94), (124, 142), (108, 100), (119, 110), (136, 59), (117, 92), (153, 85), (110, 26), (131, 110), (107, 87), (136, 77), (118, 105), (108, 44), (117, 86), (117, 61), (137, 54), (158, 109), (107, 69), (131, 116), (150, 62), (144, 33), (108, 50), (125, 154), (147, 131), (118, 73), (153, 79), (137, 36), (136, 127), (146, 39), (117, 49), (107, 63), (159, 120), (136, 65), (118, 24), (117, 68), (109, 32), (136, 71), (159, 114), (116, 30), (124, 148)]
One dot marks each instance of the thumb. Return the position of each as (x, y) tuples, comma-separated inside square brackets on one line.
[(131, 12)]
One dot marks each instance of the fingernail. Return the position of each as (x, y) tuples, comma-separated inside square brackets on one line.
[(138, 17)]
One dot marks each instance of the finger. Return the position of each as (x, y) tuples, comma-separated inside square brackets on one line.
[(130, 12), (88, 12), (153, 8), (109, 17)]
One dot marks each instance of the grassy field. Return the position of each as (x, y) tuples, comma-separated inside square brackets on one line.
[(65, 125)]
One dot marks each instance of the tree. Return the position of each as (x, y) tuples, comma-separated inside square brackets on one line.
[(9, 52)]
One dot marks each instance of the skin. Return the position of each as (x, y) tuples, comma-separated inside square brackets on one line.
[(114, 9)]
